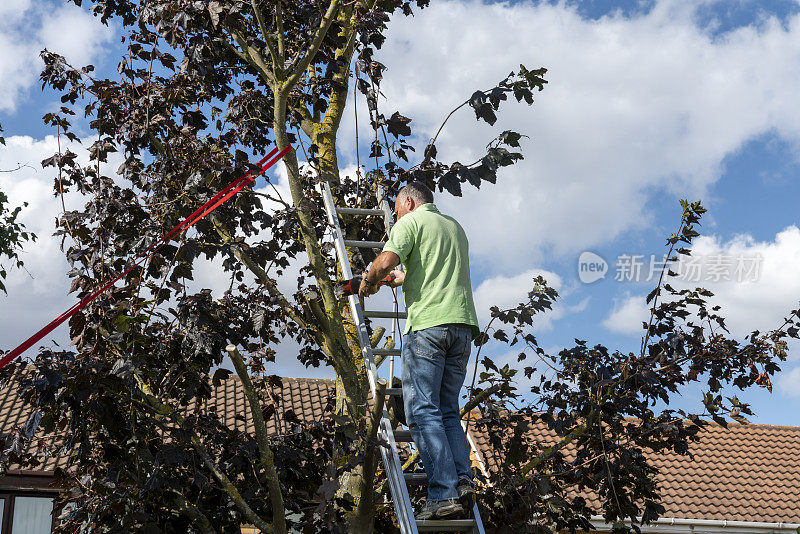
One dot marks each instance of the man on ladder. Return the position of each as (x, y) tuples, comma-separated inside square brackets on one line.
[(440, 326)]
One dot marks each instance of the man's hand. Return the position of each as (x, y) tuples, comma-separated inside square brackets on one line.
[(398, 277), (367, 288), (385, 262)]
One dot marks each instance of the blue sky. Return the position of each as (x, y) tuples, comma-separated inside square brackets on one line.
[(648, 102)]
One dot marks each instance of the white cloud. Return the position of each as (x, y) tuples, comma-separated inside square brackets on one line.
[(508, 291), (789, 382), (28, 27), (75, 34), (758, 300), (17, 69), (762, 303), (635, 107), (12, 10), (39, 292), (627, 315)]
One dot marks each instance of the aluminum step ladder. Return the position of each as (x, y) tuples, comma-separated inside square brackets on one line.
[(391, 460)]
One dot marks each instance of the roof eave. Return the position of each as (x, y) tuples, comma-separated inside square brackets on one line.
[(676, 525)]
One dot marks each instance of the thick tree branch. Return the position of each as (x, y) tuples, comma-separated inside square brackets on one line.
[(388, 344), (299, 65), (335, 338), (377, 409), (267, 459), (312, 79), (319, 315), (543, 456), (337, 102), (327, 128), (251, 56), (364, 510), (162, 409), (479, 398), (281, 60), (261, 274), (233, 493), (376, 336), (199, 518), (306, 120)]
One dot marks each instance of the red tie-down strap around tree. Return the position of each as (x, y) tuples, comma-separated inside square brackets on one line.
[(234, 187)]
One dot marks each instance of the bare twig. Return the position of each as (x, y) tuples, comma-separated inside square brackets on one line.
[(265, 35)]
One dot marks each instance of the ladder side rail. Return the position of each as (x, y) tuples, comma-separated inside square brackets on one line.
[(388, 222), (476, 515), (475, 450), (388, 213), (478, 528), (397, 484), (355, 307)]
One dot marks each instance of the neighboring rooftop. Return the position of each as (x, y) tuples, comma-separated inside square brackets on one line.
[(742, 473)]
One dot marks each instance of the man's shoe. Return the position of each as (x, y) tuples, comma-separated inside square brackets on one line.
[(428, 510), (440, 510), (466, 493), (450, 508)]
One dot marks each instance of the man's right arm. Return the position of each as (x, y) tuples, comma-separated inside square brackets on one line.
[(395, 252), (401, 239)]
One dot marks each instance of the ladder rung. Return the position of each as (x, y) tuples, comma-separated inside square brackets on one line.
[(394, 391), (403, 436), (358, 211), (386, 352), (374, 314), (364, 244), (438, 525), (415, 478)]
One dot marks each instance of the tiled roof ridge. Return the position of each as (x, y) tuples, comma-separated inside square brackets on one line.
[(714, 424), (300, 379), (304, 379)]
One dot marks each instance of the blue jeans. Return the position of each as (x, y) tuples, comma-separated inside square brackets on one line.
[(434, 366)]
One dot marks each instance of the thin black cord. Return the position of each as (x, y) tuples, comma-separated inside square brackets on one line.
[(355, 113), (397, 320)]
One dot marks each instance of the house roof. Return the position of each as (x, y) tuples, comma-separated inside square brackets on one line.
[(742, 473), (14, 415), (308, 398)]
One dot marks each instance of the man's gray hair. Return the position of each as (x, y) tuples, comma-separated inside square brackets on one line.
[(418, 191)]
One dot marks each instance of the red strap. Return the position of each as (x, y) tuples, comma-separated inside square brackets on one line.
[(230, 190)]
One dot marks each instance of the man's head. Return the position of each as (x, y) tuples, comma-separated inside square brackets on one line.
[(410, 197)]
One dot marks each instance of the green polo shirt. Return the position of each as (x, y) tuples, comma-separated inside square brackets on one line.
[(435, 252)]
